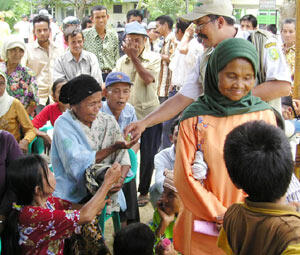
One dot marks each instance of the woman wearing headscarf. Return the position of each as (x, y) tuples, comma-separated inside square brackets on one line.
[(14, 118), (227, 103), (21, 82)]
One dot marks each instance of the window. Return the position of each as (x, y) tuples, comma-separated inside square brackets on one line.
[(117, 8)]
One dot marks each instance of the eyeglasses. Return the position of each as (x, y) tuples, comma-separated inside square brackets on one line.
[(200, 26)]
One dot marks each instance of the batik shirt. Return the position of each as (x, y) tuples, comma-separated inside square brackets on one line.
[(43, 230), (21, 84), (106, 50)]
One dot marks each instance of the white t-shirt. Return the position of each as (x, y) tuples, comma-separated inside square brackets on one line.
[(23, 28), (274, 64)]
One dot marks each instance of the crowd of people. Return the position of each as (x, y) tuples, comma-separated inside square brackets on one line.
[(208, 105)]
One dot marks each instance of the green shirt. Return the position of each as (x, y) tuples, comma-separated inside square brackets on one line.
[(106, 50)]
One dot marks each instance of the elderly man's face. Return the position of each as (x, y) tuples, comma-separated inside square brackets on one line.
[(137, 42)]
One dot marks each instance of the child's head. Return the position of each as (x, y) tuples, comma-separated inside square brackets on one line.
[(135, 239), (169, 202), (117, 90), (57, 85), (259, 160), (174, 132)]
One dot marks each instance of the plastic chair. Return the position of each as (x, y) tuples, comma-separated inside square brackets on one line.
[(37, 145), (115, 215)]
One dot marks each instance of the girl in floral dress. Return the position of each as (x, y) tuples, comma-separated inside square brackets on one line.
[(35, 221)]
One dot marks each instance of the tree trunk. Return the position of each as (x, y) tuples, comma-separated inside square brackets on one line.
[(297, 58)]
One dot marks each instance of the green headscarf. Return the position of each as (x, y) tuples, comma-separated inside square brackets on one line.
[(213, 102)]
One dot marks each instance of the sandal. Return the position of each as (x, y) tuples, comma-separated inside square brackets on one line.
[(143, 200)]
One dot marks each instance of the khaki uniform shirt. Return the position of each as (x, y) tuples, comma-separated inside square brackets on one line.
[(42, 63), (143, 97)]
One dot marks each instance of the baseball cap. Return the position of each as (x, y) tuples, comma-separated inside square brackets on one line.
[(135, 28), (151, 25), (116, 77), (214, 7)]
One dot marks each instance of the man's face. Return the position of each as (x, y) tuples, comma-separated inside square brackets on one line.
[(42, 31), (161, 29), (207, 29), (76, 44), (100, 18), (137, 42), (135, 18), (246, 25), (117, 95)]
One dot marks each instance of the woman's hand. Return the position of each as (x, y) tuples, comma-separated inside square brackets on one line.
[(113, 174), (47, 142), (24, 145), (167, 219), (120, 145)]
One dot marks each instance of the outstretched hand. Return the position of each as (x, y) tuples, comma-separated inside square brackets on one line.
[(135, 129)]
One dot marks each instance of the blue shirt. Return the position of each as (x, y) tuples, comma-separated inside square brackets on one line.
[(126, 117)]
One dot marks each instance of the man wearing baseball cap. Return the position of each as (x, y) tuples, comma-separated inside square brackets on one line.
[(215, 23), (117, 92), (142, 66)]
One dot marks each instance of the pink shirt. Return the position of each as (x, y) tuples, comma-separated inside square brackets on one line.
[(50, 112)]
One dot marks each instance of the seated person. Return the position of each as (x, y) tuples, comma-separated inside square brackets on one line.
[(117, 93), (135, 239), (165, 159), (50, 112), (167, 209), (37, 222), (13, 116), (84, 137), (76, 60), (259, 160)]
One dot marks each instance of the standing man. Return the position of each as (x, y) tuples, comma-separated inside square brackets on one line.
[(4, 30), (142, 66), (103, 42), (23, 28), (76, 61), (41, 55), (164, 25)]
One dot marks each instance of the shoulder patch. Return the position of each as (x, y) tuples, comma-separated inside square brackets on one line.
[(271, 44), (273, 54)]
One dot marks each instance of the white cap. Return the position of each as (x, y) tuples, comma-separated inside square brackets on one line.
[(151, 25), (214, 7)]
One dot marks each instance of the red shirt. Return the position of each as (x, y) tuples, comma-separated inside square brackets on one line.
[(43, 230), (50, 112)]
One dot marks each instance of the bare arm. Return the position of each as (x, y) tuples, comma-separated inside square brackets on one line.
[(164, 112), (97, 202), (272, 89)]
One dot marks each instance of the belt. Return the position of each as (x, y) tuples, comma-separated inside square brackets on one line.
[(106, 70)]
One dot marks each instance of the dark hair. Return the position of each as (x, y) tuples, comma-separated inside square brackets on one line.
[(182, 25), (72, 31), (174, 124), (250, 18), (135, 239), (57, 81), (289, 21), (84, 22), (135, 13), (272, 28), (98, 8), (23, 175), (229, 21), (165, 19), (41, 18), (259, 160)]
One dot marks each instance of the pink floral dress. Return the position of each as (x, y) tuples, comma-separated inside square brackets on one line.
[(43, 230)]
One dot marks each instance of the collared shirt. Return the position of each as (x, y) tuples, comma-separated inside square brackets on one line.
[(143, 97), (41, 62), (67, 67), (274, 62), (106, 50), (165, 73), (126, 117), (165, 159)]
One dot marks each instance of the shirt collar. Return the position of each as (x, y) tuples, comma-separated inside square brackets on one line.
[(70, 57)]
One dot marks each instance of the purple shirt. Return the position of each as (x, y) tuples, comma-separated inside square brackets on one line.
[(9, 150)]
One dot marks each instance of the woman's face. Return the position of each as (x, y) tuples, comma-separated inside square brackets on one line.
[(49, 188), (288, 34), (236, 79), (15, 55), (88, 109), (2, 85)]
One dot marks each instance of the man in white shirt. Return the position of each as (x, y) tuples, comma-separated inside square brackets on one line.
[(215, 23), (23, 28), (76, 61)]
